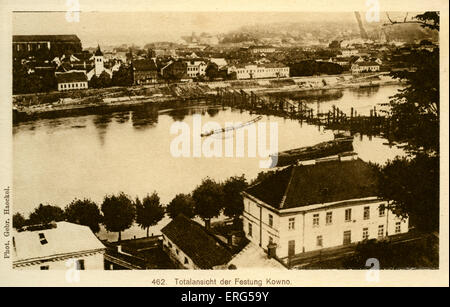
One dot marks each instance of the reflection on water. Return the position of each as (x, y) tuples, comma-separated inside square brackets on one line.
[(90, 156)]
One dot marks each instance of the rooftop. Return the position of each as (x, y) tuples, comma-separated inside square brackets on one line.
[(303, 185), (144, 65), (63, 239), (192, 238), (71, 76), (45, 38)]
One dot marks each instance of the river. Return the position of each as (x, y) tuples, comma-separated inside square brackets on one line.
[(57, 160)]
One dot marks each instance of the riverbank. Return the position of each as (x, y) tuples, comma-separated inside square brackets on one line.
[(94, 101)]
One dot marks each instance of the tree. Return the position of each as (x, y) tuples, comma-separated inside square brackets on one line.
[(233, 201), (118, 213), (412, 185), (122, 77), (208, 198), (84, 212), (45, 214), (212, 71), (181, 204), (18, 221), (149, 212), (412, 188)]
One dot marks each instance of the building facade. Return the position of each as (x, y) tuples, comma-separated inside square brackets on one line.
[(71, 80), (297, 215), (195, 68), (25, 45), (259, 71), (361, 67), (57, 246), (144, 71)]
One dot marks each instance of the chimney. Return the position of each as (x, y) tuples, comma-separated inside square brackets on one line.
[(272, 250)]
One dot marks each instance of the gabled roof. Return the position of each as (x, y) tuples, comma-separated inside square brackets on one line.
[(303, 185), (63, 239), (71, 76), (199, 245), (43, 38), (144, 65)]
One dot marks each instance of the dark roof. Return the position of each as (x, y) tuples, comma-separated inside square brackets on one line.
[(322, 182), (368, 63), (98, 52), (144, 65), (74, 76), (192, 238), (44, 38)]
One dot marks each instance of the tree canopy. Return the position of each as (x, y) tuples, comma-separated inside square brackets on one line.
[(208, 198), (45, 214), (181, 204), (149, 212), (233, 201), (84, 212), (118, 212)]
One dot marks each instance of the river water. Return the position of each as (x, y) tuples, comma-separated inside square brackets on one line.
[(57, 160)]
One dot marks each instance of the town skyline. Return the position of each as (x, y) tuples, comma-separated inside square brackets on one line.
[(140, 28)]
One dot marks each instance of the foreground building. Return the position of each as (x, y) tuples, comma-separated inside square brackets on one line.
[(57, 246), (189, 244), (317, 205)]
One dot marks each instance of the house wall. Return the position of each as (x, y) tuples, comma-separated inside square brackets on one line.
[(304, 233), (179, 256), (91, 262), (72, 86), (258, 72)]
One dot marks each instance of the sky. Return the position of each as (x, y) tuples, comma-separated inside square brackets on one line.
[(114, 28)]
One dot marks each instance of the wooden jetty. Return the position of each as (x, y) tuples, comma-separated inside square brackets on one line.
[(334, 119)]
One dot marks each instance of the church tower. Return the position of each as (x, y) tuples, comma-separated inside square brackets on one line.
[(98, 61)]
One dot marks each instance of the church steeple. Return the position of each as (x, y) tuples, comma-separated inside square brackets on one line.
[(98, 61), (98, 52)]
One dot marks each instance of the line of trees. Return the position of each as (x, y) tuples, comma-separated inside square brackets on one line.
[(311, 67), (118, 212)]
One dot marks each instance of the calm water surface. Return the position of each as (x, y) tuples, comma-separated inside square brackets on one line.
[(57, 160)]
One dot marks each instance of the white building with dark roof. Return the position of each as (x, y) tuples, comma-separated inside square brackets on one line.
[(317, 205), (71, 80), (57, 246)]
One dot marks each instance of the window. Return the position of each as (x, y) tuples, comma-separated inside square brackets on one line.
[(270, 220), (365, 233), (44, 267), (347, 237), (319, 241), (177, 251), (291, 223), (316, 220), (250, 229), (80, 264), (42, 239), (381, 211), (366, 213), (186, 260), (398, 227), (348, 215), (329, 218), (380, 231), (170, 245)]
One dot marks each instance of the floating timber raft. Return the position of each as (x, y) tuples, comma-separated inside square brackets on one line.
[(317, 151)]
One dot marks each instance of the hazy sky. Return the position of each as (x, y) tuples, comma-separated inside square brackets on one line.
[(111, 28)]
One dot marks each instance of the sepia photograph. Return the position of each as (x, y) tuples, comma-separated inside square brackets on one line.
[(290, 141)]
